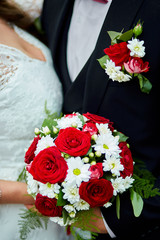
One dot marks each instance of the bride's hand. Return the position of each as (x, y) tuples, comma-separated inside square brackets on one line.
[(14, 192)]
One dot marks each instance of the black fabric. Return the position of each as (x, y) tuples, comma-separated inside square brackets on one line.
[(134, 113)]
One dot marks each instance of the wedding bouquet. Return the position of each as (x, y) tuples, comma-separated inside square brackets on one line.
[(76, 163)]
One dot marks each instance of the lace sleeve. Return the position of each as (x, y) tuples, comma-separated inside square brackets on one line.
[(7, 69), (32, 7)]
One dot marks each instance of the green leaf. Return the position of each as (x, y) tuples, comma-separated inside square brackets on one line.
[(22, 176), (103, 60), (118, 206), (61, 201), (29, 221), (82, 119), (38, 26), (49, 123), (89, 151), (122, 137), (65, 216), (137, 203), (145, 84), (126, 36), (114, 36)]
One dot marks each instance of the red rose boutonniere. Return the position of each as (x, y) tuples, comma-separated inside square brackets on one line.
[(123, 59)]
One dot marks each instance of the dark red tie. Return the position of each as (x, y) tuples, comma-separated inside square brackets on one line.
[(101, 1)]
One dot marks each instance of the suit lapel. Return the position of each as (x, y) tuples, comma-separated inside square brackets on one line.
[(121, 15)]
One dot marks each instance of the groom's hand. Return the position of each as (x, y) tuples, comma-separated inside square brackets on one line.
[(96, 223)]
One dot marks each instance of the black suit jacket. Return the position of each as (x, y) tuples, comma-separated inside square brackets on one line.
[(134, 113)]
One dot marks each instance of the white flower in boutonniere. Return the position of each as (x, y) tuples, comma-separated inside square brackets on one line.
[(136, 47), (114, 72), (123, 60)]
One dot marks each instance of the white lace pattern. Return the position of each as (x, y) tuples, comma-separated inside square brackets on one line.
[(25, 85)]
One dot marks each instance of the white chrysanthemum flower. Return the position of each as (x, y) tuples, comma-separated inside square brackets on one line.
[(103, 128), (60, 221), (120, 77), (78, 171), (43, 143), (81, 205), (108, 204), (65, 122), (127, 182), (118, 185), (114, 165), (45, 130), (69, 208), (107, 144), (49, 190), (32, 185), (136, 47), (71, 193), (111, 68)]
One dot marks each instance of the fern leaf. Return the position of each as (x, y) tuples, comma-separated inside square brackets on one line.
[(30, 220)]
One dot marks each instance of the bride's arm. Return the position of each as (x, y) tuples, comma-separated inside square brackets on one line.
[(14, 192)]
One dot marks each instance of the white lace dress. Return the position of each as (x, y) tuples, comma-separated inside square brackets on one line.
[(25, 85)]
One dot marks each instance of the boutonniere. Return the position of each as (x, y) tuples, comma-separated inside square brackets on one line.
[(123, 59)]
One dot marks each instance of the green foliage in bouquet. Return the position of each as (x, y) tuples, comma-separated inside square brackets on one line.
[(145, 181), (22, 176), (31, 220), (143, 188), (85, 224)]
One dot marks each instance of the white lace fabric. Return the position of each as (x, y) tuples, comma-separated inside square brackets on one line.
[(25, 85), (31, 7)]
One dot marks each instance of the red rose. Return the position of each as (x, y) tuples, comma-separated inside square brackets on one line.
[(90, 127), (49, 166), (96, 192), (118, 53), (70, 115), (136, 65), (73, 141), (126, 159), (98, 119), (96, 171), (30, 152), (47, 206)]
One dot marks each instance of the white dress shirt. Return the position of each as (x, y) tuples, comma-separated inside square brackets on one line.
[(86, 23)]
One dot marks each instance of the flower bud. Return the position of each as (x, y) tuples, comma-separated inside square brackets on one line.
[(46, 130), (128, 145), (55, 130), (94, 137), (36, 131), (91, 155), (137, 30), (74, 125), (66, 156), (86, 160), (72, 214), (98, 154), (93, 163)]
